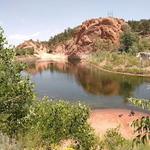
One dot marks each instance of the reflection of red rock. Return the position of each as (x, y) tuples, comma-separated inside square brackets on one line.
[(39, 66), (84, 77), (91, 80), (97, 86)]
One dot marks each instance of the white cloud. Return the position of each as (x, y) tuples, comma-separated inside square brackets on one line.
[(21, 37), (15, 39)]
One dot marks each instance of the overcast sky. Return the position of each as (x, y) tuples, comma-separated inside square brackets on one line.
[(40, 19)]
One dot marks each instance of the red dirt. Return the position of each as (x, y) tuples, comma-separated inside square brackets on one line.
[(104, 119)]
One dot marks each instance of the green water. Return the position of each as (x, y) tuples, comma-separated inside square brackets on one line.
[(77, 82)]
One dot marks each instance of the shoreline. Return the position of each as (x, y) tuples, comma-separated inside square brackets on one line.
[(103, 119), (44, 57), (115, 72), (64, 58)]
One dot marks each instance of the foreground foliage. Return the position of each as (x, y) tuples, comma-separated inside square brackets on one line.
[(52, 122), (15, 92), (141, 126), (143, 103), (33, 122)]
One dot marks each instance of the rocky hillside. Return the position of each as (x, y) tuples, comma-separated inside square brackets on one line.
[(82, 40), (36, 46), (104, 29)]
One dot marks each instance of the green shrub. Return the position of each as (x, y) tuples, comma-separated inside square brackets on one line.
[(141, 126), (142, 27), (129, 42), (104, 45), (61, 38), (115, 59), (51, 122), (15, 92), (22, 52), (113, 140), (144, 44), (37, 123), (145, 104)]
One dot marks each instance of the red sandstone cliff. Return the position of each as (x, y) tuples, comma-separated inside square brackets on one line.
[(105, 29), (85, 36)]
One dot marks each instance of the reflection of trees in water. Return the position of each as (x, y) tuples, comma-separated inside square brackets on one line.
[(95, 84), (91, 79), (102, 83)]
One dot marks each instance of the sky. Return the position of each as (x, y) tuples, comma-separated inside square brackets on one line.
[(41, 19)]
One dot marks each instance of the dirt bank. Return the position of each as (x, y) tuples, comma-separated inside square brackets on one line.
[(103, 119)]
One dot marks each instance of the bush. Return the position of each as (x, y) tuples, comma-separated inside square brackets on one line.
[(51, 122), (113, 140), (104, 45), (114, 59), (129, 42), (37, 123), (61, 38), (15, 92), (22, 52), (141, 126), (144, 44), (142, 27)]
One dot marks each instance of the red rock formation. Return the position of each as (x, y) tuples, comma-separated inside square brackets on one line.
[(85, 37), (35, 45), (90, 30)]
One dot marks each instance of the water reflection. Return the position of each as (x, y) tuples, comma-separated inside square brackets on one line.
[(86, 82)]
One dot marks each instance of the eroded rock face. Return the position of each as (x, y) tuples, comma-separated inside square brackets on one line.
[(35, 45), (84, 39), (91, 30)]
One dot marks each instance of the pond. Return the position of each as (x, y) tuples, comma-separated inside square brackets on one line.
[(78, 82)]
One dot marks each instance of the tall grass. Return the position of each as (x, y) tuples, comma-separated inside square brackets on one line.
[(120, 62)]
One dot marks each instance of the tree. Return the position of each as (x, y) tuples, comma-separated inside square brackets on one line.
[(128, 40), (22, 116), (144, 27), (16, 94)]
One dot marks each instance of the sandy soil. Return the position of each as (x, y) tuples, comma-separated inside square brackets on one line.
[(54, 57), (104, 119), (44, 56)]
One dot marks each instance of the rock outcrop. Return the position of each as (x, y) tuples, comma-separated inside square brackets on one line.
[(84, 38), (92, 30), (37, 46)]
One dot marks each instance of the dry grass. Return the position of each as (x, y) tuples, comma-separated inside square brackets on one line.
[(114, 61)]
